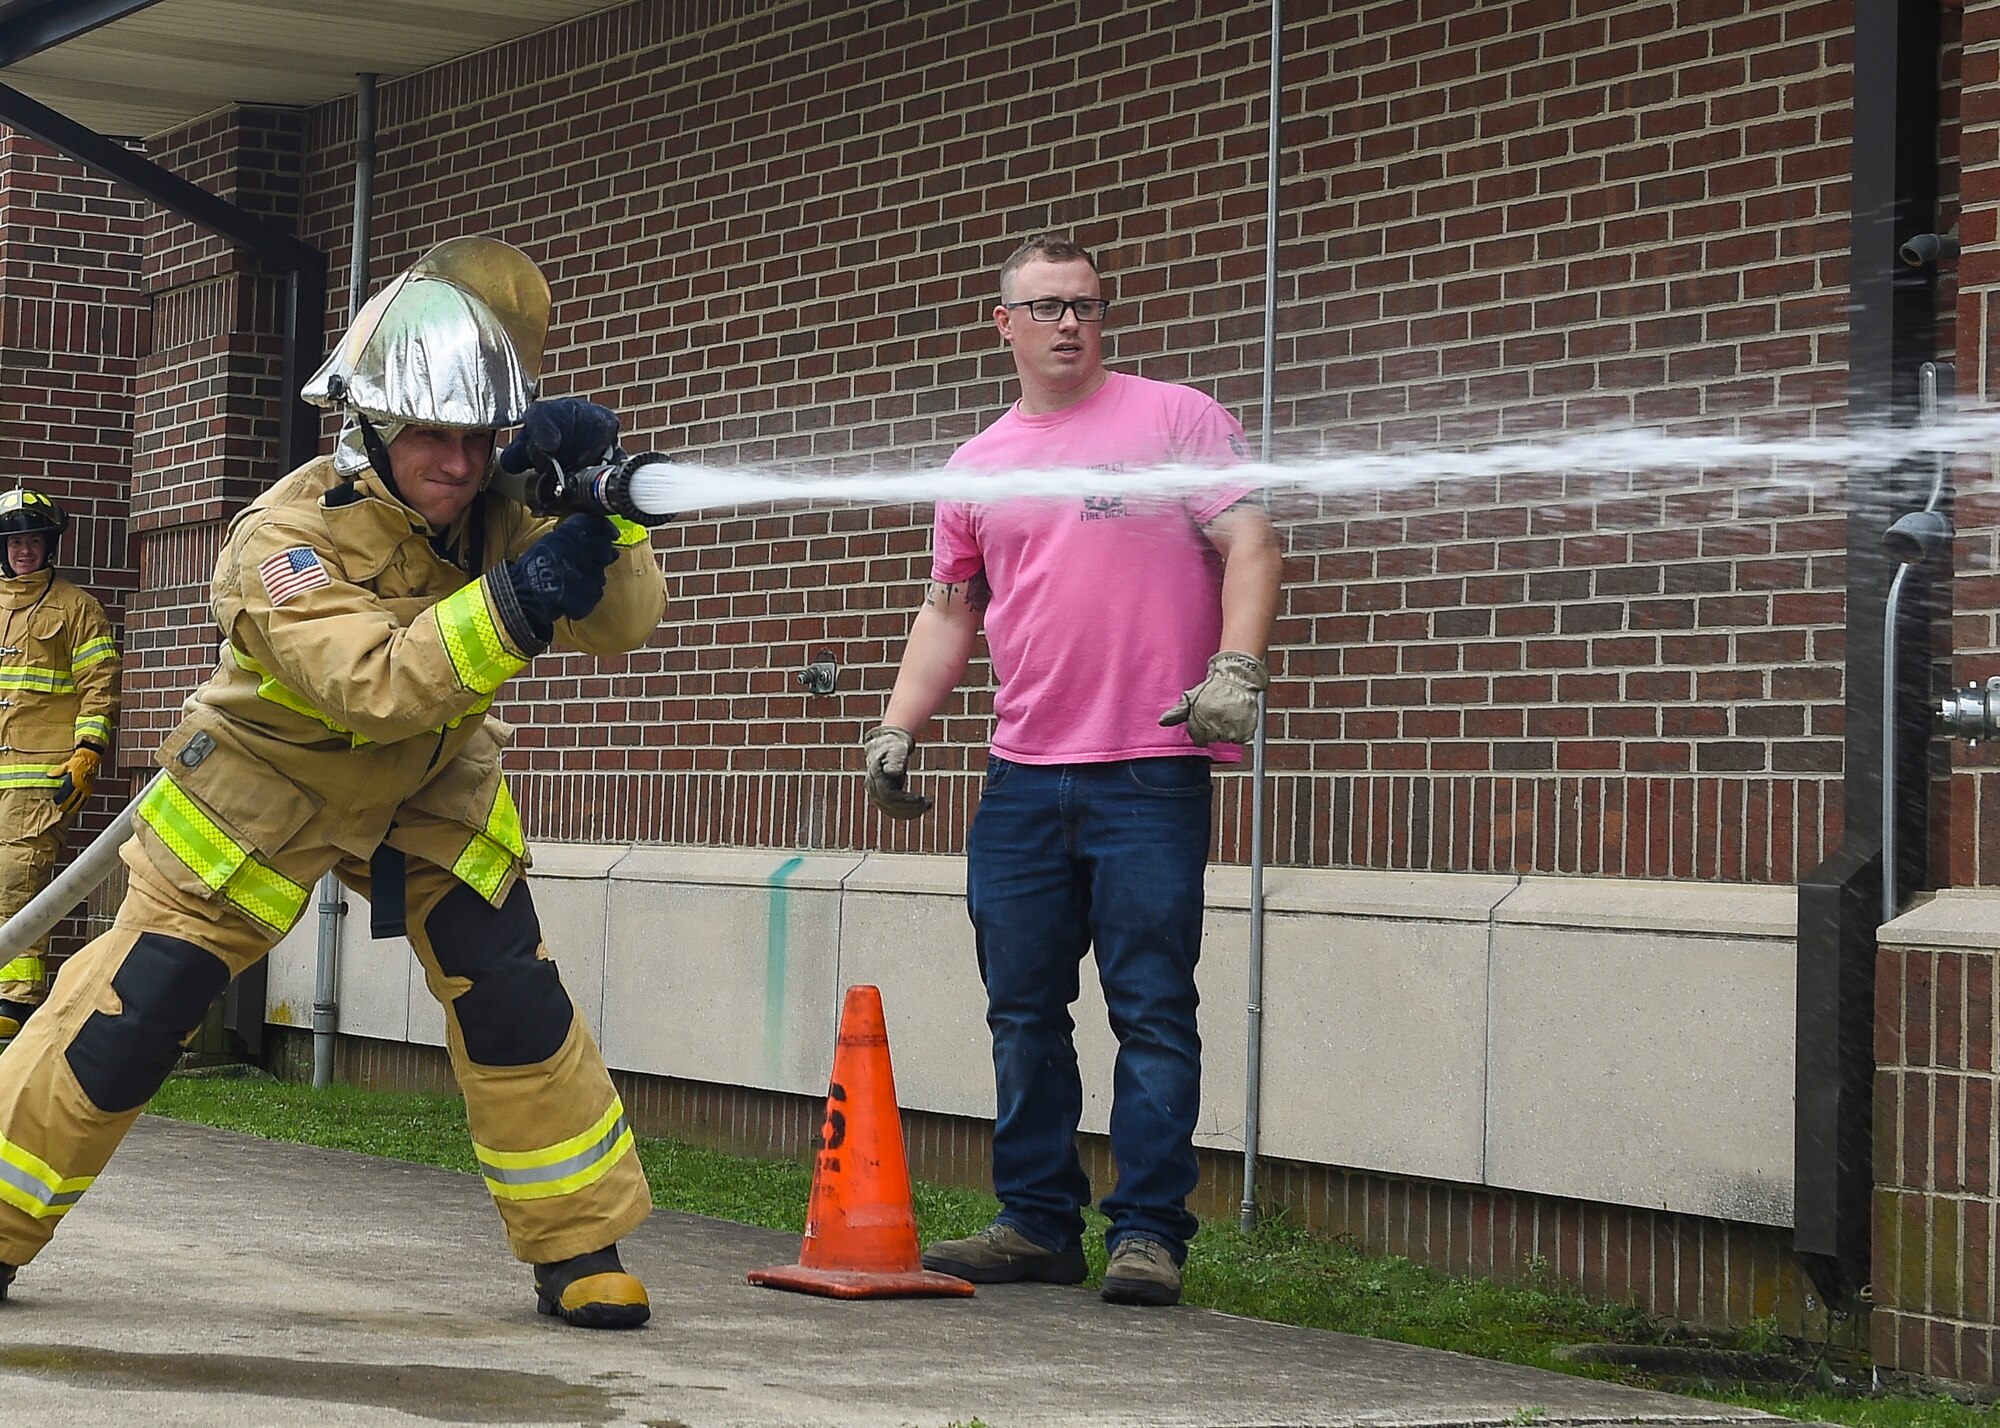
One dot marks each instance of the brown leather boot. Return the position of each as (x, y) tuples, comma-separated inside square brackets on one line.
[(1141, 1271), (1001, 1254)]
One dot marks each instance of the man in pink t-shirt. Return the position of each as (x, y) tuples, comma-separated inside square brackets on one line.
[(1128, 635)]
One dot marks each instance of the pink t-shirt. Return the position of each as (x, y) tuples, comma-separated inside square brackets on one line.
[(1103, 609)]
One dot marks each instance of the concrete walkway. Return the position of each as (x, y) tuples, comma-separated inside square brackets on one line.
[(213, 1279)]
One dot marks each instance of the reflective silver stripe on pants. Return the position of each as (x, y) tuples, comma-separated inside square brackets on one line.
[(558, 1170), (34, 1188)]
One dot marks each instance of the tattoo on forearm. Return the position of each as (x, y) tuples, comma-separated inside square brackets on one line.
[(972, 593)]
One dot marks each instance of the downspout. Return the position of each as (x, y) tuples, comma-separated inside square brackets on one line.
[(332, 905), (1253, 1081), (1891, 334)]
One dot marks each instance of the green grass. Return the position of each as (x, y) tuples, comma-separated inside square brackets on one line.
[(1278, 1271)]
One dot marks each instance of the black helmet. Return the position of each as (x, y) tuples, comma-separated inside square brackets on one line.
[(26, 512)]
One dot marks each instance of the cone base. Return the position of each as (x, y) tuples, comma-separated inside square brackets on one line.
[(861, 1283)]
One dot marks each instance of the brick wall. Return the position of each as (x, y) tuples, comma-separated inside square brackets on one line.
[(1937, 1203), (72, 323), (1938, 1185), (1975, 597), (1499, 222), (207, 396)]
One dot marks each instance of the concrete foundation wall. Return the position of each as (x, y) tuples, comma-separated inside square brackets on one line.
[(1610, 1040)]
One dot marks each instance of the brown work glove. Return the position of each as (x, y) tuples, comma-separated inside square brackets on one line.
[(1223, 707), (77, 777), (887, 750)]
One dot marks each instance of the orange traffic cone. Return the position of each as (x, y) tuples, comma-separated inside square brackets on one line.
[(861, 1234)]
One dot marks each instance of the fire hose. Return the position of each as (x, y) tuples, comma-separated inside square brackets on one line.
[(76, 882)]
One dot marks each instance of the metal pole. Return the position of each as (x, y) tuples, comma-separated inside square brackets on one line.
[(75, 883), (332, 906), (1889, 615), (1254, 1032)]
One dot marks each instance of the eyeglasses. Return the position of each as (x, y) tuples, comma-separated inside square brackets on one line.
[(1052, 309)]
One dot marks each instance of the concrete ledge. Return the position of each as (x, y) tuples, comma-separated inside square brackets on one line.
[(921, 874), (1954, 917), (1682, 908), (732, 867), (575, 860), (1606, 1039), (1404, 897)]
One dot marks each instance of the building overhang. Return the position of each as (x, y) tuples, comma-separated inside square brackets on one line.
[(136, 68)]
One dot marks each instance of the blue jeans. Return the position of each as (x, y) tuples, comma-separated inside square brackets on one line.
[(1063, 857)]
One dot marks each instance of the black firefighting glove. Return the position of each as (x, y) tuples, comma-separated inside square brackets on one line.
[(78, 775), (887, 752), (561, 576), (570, 431), (1223, 707)]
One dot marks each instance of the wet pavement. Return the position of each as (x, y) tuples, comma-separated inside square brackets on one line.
[(219, 1280)]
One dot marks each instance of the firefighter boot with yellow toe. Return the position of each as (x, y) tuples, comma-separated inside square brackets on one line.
[(12, 1016), (591, 1291)]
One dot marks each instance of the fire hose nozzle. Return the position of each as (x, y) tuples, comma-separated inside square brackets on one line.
[(1972, 713), (604, 489)]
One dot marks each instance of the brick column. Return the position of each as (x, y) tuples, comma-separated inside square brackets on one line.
[(1937, 1205), (72, 323), (208, 397)]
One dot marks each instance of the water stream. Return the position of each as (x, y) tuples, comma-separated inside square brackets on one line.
[(687, 487)]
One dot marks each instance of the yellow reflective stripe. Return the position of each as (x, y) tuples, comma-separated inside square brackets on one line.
[(32, 1186), (266, 894), (195, 838), (22, 969), (481, 707), (479, 655), (219, 860), (42, 681), (93, 726), (483, 866), (91, 652), (503, 824), (492, 853), (560, 1169), (270, 688), (629, 532), (29, 776)]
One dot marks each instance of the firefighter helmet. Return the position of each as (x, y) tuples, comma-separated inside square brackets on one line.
[(26, 512), (455, 341)]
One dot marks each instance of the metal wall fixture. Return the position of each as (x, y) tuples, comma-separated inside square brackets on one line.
[(1972, 713), (1916, 540), (821, 675), (1929, 248)]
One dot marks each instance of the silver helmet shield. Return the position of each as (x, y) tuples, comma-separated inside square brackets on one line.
[(456, 341)]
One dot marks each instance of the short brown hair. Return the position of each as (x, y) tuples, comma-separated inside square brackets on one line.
[(1047, 247)]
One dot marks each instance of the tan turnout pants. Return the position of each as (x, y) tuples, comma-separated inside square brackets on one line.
[(31, 837), (551, 1135)]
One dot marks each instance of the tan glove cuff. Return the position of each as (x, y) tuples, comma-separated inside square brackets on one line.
[(1240, 668)]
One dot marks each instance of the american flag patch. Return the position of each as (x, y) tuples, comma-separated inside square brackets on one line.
[(292, 572)]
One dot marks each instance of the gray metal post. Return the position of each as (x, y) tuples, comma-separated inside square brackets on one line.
[(332, 905)]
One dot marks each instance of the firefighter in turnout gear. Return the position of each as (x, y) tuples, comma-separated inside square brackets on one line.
[(371, 604), (58, 701)]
